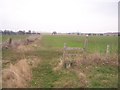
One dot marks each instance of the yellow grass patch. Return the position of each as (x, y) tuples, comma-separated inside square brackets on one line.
[(16, 76)]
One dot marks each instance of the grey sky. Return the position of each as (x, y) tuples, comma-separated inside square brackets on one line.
[(59, 15)]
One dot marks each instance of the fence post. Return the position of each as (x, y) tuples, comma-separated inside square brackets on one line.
[(108, 49), (10, 41), (64, 52), (85, 42)]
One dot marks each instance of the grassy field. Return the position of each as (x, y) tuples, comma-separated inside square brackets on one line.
[(49, 52), (95, 43)]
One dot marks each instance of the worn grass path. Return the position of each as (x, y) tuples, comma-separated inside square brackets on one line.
[(44, 75)]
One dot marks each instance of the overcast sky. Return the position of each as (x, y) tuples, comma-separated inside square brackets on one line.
[(59, 15)]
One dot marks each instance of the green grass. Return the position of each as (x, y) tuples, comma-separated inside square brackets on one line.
[(95, 43), (104, 76)]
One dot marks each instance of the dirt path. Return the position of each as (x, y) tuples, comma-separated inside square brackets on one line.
[(18, 75)]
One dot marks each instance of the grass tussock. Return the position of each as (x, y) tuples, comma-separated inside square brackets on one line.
[(16, 76)]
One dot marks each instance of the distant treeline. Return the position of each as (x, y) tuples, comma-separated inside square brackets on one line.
[(97, 34), (22, 32), (9, 32)]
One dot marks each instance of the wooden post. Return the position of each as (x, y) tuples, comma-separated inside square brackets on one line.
[(85, 42), (10, 41), (64, 52), (107, 49)]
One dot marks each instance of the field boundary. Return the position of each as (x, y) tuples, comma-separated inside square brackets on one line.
[(15, 43)]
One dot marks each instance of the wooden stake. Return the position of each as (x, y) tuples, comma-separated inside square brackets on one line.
[(107, 50), (85, 43), (64, 52)]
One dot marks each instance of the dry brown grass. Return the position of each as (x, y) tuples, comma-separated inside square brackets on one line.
[(59, 65), (23, 48), (83, 79), (97, 59), (27, 48), (19, 74), (16, 76), (85, 65), (33, 61)]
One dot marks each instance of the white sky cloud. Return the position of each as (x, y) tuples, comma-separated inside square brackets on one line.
[(59, 15)]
